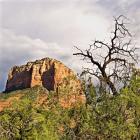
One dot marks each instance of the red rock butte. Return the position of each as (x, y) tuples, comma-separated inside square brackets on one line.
[(47, 72)]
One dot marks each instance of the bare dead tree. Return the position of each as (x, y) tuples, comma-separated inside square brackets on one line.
[(116, 55)]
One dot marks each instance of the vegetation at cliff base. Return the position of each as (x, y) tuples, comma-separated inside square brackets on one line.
[(106, 117)]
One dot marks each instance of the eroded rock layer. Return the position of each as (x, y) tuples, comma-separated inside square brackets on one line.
[(49, 73)]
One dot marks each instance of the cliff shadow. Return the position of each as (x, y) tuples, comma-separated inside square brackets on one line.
[(48, 78), (20, 81)]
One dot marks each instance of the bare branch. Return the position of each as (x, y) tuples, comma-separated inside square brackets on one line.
[(119, 55)]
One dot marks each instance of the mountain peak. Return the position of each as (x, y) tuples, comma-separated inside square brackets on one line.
[(47, 72)]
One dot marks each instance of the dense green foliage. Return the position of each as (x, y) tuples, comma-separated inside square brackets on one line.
[(105, 117)]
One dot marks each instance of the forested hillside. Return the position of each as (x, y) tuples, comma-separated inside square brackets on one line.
[(38, 115)]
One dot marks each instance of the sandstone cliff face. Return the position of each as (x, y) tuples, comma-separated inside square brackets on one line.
[(49, 73)]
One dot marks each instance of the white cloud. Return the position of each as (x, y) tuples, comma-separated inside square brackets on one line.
[(63, 22), (34, 29)]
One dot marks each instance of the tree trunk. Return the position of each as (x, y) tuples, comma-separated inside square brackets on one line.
[(110, 84), (112, 87)]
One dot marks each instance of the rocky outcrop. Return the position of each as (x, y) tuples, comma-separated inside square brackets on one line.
[(49, 73)]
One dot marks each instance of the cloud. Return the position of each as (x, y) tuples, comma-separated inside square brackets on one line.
[(32, 29), (54, 20)]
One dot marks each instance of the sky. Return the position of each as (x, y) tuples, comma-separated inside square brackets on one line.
[(34, 29)]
